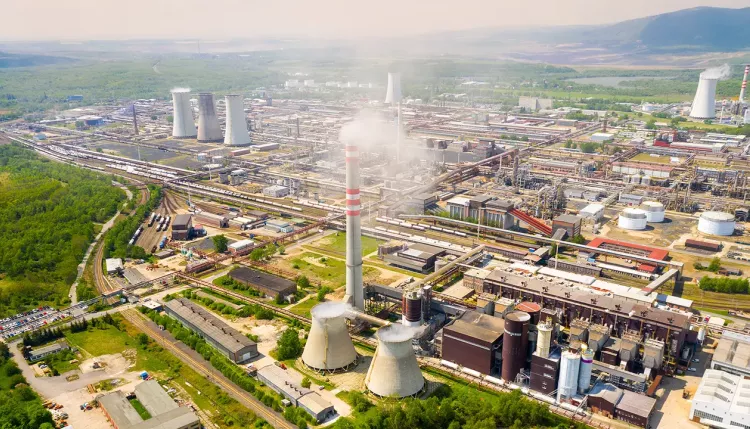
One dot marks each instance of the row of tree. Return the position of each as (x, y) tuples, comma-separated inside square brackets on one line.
[(117, 238), (724, 285)]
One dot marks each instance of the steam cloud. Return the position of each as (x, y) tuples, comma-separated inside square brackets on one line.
[(331, 310), (180, 89), (396, 333), (371, 132), (721, 72)]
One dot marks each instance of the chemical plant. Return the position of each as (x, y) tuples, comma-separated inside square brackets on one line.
[(499, 248)]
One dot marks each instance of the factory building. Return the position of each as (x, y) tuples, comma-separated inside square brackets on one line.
[(592, 211), (114, 266), (545, 361), (241, 247), (732, 354), (533, 104), (279, 226), (276, 191), (467, 207), (164, 411), (633, 249), (231, 343), (474, 341), (181, 226), (269, 284), (280, 381), (621, 404), (569, 223), (721, 401), (417, 257), (211, 219)]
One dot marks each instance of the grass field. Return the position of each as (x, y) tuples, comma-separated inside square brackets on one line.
[(645, 157), (140, 409), (329, 271), (303, 308), (336, 243)]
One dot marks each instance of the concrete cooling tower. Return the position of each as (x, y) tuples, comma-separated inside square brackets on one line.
[(704, 103), (329, 347), (183, 123), (208, 124), (236, 129), (393, 95), (394, 370)]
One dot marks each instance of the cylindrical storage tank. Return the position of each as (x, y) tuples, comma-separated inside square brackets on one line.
[(183, 123), (515, 344), (411, 308), (394, 370), (584, 371), (633, 219), (716, 223), (704, 103), (567, 384), (236, 126), (329, 346), (543, 339), (208, 123), (533, 309), (701, 334), (654, 211)]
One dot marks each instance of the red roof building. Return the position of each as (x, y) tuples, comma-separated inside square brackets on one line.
[(632, 248)]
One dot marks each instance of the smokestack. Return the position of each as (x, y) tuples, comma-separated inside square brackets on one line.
[(135, 121), (354, 288), (393, 96), (236, 133), (183, 123), (744, 84), (704, 103), (208, 124)]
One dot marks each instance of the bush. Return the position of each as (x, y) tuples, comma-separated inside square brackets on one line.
[(724, 285), (289, 345)]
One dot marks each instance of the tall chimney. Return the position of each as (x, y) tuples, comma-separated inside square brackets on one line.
[(354, 289), (135, 121), (744, 84)]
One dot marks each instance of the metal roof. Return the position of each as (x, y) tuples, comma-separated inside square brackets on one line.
[(209, 325), (181, 221), (634, 403), (477, 325), (165, 413)]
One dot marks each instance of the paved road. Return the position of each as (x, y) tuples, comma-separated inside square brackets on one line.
[(196, 362)]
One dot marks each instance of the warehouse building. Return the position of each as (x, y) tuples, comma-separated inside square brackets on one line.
[(276, 191), (237, 347), (732, 354), (417, 257), (241, 247), (614, 402), (210, 219), (48, 350), (165, 413), (279, 226), (269, 284), (569, 223), (181, 226), (633, 249), (721, 401), (474, 341), (114, 266), (282, 382)]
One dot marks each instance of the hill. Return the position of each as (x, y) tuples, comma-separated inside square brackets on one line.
[(9, 60)]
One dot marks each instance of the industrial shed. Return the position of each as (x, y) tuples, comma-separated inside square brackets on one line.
[(165, 413), (269, 284), (181, 226), (473, 341), (418, 257), (282, 382)]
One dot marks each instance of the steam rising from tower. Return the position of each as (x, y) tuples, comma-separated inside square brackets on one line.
[(394, 371), (704, 103), (354, 288), (236, 129), (208, 124), (329, 346), (183, 123)]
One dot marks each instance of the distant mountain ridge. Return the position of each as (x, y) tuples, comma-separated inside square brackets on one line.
[(9, 60)]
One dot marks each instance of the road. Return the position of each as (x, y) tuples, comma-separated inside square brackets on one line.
[(200, 365)]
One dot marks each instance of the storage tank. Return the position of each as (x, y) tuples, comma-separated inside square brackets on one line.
[(208, 123), (544, 339), (515, 344), (329, 346), (394, 370), (716, 223), (632, 219), (584, 371), (567, 384), (183, 123), (411, 308), (654, 211), (533, 309)]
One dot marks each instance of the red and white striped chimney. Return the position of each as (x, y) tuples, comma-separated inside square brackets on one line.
[(744, 84), (354, 287)]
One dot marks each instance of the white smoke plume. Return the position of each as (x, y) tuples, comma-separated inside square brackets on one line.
[(396, 333), (374, 132), (721, 72), (330, 310), (178, 89)]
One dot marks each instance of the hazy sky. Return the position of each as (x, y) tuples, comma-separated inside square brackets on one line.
[(220, 19)]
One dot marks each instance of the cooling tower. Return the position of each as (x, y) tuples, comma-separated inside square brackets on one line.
[(208, 124), (393, 95), (236, 133), (394, 370), (183, 123), (704, 103), (354, 289), (329, 346)]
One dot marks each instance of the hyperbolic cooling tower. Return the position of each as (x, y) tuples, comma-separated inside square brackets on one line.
[(354, 290), (329, 346), (393, 95), (236, 129), (208, 124), (183, 123), (704, 103), (394, 370)]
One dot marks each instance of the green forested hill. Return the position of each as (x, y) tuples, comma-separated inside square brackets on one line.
[(47, 216)]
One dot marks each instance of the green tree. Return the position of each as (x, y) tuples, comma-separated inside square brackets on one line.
[(289, 345), (303, 282), (306, 383), (322, 292), (257, 254), (220, 243), (142, 339), (170, 119), (651, 124), (715, 265)]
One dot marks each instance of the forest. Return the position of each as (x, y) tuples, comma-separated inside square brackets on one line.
[(20, 406), (48, 213), (724, 285), (117, 238)]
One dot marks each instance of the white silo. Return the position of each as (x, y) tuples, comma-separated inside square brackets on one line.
[(329, 346), (704, 103), (632, 219), (654, 211), (567, 384), (236, 133), (208, 124), (394, 370), (584, 372), (543, 339), (183, 123), (716, 223)]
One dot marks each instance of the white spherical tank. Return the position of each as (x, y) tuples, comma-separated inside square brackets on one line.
[(633, 219), (584, 372), (394, 370), (654, 211), (716, 223), (567, 384), (329, 346)]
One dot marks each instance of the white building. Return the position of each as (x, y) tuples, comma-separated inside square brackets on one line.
[(722, 401), (594, 211), (114, 265)]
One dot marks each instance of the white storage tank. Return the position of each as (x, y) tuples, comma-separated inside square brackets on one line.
[(654, 211), (584, 372), (567, 384), (632, 219), (716, 223)]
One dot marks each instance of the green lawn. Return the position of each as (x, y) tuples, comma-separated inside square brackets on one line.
[(142, 411), (104, 341), (61, 361), (303, 308), (337, 243), (329, 270)]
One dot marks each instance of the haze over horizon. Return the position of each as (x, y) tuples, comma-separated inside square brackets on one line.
[(334, 19)]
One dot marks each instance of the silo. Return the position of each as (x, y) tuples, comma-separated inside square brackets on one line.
[(632, 219), (515, 343), (584, 372), (183, 123), (329, 346), (235, 133), (544, 339), (411, 308), (394, 370), (704, 103), (533, 309), (567, 385), (208, 124), (654, 211), (716, 223)]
